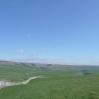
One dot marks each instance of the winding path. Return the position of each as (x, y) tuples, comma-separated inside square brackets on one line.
[(6, 84)]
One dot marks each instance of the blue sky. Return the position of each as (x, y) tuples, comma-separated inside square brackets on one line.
[(50, 31)]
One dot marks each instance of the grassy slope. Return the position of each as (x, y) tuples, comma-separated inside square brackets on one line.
[(80, 87), (54, 85), (19, 73)]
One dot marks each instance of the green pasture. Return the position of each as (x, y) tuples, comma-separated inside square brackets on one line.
[(55, 84)]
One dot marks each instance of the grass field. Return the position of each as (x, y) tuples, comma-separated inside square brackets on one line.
[(55, 84)]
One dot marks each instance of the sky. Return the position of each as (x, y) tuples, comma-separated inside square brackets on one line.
[(50, 31)]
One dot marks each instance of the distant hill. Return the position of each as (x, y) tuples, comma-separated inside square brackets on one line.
[(52, 66), (34, 64), (23, 64)]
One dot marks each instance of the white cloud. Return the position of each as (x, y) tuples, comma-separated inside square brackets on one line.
[(28, 35), (42, 60), (34, 54), (20, 51), (46, 48)]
